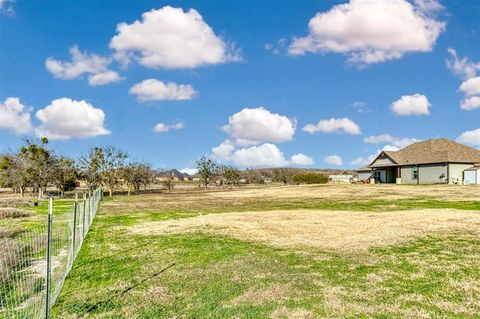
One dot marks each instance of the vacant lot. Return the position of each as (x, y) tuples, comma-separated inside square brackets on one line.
[(332, 251)]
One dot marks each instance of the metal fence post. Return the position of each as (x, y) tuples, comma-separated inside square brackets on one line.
[(49, 257), (84, 211), (75, 204)]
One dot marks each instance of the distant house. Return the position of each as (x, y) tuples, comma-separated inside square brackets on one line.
[(427, 162)]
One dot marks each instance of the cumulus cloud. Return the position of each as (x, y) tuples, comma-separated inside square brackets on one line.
[(470, 103), (416, 104), (372, 31), (162, 127), (471, 86), (83, 63), (334, 160), (301, 159), (251, 134), (66, 118), (466, 69), (223, 152), (104, 78), (391, 141), (14, 116), (155, 90), (171, 38), (333, 125), (258, 125), (471, 138), (265, 155), (462, 67)]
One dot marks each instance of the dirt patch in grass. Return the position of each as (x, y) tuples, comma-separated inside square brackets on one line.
[(336, 230), (286, 313), (276, 292)]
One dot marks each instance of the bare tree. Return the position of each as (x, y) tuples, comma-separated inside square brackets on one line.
[(103, 165), (207, 169), (13, 173), (137, 174), (65, 175), (230, 175), (39, 163)]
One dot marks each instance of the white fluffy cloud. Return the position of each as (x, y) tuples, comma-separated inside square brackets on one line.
[(155, 90), (66, 118), (255, 126), (265, 155), (92, 64), (251, 134), (470, 137), (301, 159), (462, 67), (162, 127), (372, 31), (334, 160), (14, 116), (223, 152), (171, 38), (416, 104), (394, 142), (471, 86), (466, 69), (470, 103), (103, 78), (333, 125)]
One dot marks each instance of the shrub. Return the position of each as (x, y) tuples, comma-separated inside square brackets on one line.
[(310, 178)]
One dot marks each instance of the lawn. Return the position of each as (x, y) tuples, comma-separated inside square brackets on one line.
[(335, 251)]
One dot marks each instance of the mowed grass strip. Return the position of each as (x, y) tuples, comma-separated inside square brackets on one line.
[(122, 274)]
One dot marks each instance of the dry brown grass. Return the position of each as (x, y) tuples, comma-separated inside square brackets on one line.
[(356, 191), (6, 212), (275, 292), (274, 197), (337, 230), (286, 313)]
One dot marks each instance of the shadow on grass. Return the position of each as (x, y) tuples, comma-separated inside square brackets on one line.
[(106, 302)]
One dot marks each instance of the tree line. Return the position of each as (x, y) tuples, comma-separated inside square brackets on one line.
[(35, 166)]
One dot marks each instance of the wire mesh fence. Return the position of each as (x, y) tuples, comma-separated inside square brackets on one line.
[(34, 262)]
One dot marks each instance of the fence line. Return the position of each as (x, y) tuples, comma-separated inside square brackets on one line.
[(35, 261)]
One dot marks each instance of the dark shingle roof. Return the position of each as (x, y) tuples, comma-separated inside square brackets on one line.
[(434, 151)]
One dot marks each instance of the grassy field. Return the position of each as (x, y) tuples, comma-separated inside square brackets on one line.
[(332, 251)]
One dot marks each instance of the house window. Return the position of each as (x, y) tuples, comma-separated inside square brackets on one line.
[(415, 172), (377, 175)]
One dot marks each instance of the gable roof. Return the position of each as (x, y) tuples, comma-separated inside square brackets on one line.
[(439, 150)]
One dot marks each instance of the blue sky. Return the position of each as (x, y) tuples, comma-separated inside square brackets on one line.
[(248, 76)]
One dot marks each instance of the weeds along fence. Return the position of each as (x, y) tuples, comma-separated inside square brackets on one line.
[(35, 260)]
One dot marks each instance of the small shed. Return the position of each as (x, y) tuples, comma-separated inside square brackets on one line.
[(472, 175), (364, 173)]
